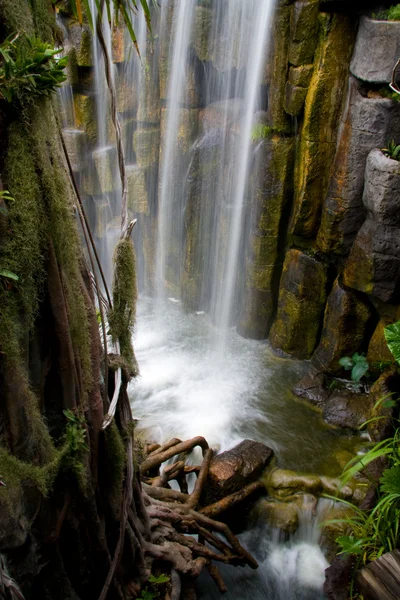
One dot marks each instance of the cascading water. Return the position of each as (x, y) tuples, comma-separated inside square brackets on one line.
[(187, 108)]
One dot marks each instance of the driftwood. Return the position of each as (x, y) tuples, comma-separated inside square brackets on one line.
[(174, 514), (380, 580)]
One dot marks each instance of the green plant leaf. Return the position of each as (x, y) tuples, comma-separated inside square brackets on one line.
[(390, 480), (359, 370), (350, 544), (159, 578), (392, 336), (346, 362), (8, 275)]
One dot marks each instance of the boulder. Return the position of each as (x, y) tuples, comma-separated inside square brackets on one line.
[(348, 319), (312, 387), (280, 515), (321, 119), (367, 123), (376, 51), (271, 192), (338, 578), (304, 31), (281, 483), (373, 266), (347, 409), (384, 388), (301, 303), (276, 70), (230, 471)]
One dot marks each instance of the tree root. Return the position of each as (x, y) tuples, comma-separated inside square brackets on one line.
[(175, 516)]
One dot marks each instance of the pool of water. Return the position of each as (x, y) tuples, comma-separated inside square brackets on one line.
[(190, 384)]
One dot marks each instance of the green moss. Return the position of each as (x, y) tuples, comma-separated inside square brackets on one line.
[(58, 201), (17, 16), (390, 14), (386, 92), (123, 314), (44, 19), (116, 454)]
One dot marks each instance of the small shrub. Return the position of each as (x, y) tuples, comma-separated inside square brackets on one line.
[(29, 67), (357, 364), (392, 151), (154, 590), (389, 14)]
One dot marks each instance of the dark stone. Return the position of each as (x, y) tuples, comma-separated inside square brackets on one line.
[(338, 577), (312, 388), (347, 409), (384, 387), (232, 470)]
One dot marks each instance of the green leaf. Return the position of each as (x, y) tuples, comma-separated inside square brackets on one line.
[(346, 362), (390, 480), (392, 336), (350, 544), (8, 275), (159, 579), (359, 370)]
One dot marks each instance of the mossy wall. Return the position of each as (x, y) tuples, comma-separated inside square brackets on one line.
[(305, 194)]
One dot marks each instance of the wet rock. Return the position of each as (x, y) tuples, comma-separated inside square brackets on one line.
[(347, 409), (281, 515), (233, 469), (373, 266), (321, 120), (282, 483), (301, 304), (330, 531), (138, 200), (367, 123), (312, 387), (187, 128), (101, 178), (334, 487), (274, 160), (338, 577), (85, 116), (202, 31), (81, 41), (347, 321), (221, 114), (378, 351), (126, 93), (376, 51), (277, 68), (304, 31), (117, 44), (146, 144), (149, 95), (75, 142), (294, 99)]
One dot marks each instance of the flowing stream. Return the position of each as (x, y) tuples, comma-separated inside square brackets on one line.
[(198, 95)]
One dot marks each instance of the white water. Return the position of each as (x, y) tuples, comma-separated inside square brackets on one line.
[(168, 221)]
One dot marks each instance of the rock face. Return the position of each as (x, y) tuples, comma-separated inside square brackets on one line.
[(347, 409), (374, 262), (301, 303), (232, 470), (376, 51), (321, 116), (367, 123), (348, 318)]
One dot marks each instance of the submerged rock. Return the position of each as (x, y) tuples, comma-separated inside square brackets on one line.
[(232, 470), (347, 409), (281, 515), (312, 387), (282, 483)]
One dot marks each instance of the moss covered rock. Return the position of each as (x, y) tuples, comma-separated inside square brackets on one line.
[(138, 200), (101, 176), (187, 128), (282, 483), (277, 69), (146, 144), (202, 31), (321, 119), (348, 320), (373, 266), (75, 142), (85, 116), (81, 40), (367, 123), (304, 31), (301, 304), (149, 96), (280, 515), (271, 192)]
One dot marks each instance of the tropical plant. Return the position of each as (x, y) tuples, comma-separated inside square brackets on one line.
[(392, 336), (357, 364), (392, 151), (29, 67), (116, 9)]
